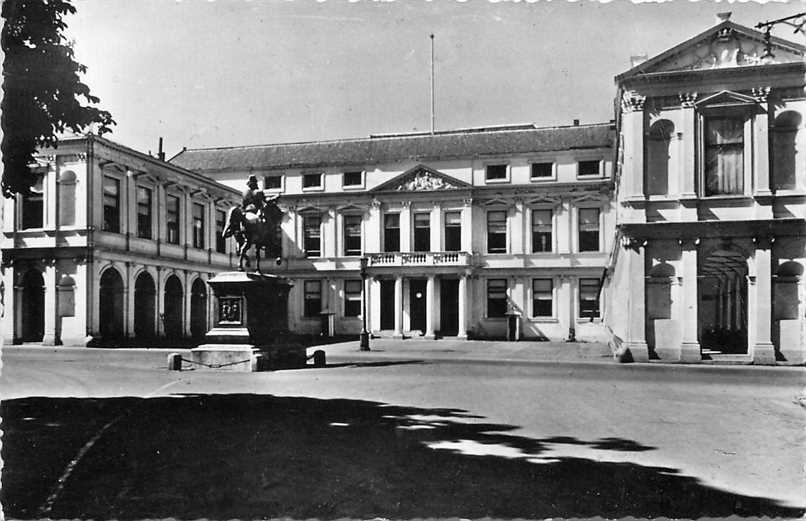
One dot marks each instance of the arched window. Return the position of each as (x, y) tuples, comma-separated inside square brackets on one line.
[(657, 157), (67, 198), (784, 150)]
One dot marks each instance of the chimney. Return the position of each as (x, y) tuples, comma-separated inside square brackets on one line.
[(160, 152), (723, 17), (576, 122), (638, 59)]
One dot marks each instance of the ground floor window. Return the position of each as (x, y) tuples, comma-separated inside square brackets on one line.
[(313, 298), (352, 298), (496, 298), (589, 298), (542, 302)]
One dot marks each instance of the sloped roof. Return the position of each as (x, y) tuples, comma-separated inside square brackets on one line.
[(664, 62), (398, 147)]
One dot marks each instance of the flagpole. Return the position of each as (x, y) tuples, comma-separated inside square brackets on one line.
[(433, 110)]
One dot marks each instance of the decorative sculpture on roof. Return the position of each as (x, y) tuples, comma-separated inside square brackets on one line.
[(423, 180), (255, 222)]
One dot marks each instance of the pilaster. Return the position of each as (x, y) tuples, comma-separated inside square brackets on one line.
[(429, 308), (635, 252), (467, 226), (761, 312), (688, 189), (405, 226), (690, 348), (761, 147), (462, 332), (517, 228), (436, 227), (398, 333), (50, 337), (632, 105)]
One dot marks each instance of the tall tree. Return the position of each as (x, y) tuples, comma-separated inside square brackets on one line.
[(43, 92)]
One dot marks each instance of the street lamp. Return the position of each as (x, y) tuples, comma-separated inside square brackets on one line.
[(364, 338)]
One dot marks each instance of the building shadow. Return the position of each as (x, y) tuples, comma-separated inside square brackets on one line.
[(258, 456)]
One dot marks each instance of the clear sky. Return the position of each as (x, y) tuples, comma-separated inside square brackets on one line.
[(238, 72)]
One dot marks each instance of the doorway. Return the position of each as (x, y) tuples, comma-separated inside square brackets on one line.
[(722, 310), (449, 307), (111, 305), (417, 305), (145, 295), (33, 307), (387, 304), (173, 308)]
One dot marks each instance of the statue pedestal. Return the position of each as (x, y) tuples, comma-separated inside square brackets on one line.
[(251, 323)]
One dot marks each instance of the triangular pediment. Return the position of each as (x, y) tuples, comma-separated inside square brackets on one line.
[(421, 178), (725, 97), (723, 46)]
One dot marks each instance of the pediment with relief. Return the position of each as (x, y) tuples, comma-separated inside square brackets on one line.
[(725, 45), (421, 179)]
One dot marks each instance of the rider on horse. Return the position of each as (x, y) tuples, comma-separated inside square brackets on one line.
[(253, 200)]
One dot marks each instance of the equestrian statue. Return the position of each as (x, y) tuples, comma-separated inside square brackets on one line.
[(255, 222)]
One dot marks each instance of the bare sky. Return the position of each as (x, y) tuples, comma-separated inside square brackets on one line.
[(238, 72)]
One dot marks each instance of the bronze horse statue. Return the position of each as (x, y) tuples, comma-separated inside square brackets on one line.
[(260, 229)]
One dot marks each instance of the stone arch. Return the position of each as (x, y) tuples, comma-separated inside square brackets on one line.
[(174, 308), (145, 301), (198, 309), (784, 150), (67, 197), (658, 143), (32, 308), (722, 293), (110, 303)]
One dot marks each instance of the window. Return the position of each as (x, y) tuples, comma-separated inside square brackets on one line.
[(352, 179), (588, 229), (198, 225), (313, 298), (453, 231), (67, 197), (391, 232), (312, 181), (220, 241), (273, 182), (143, 212), (496, 298), (542, 301), (312, 230), (588, 298), (724, 155), (352, 235), (172, 219), (542, 170), (352, 298), (422, 232), (496, 172), (111, 189), (541, 231), (497, 231), (32, 203), (589, 168)]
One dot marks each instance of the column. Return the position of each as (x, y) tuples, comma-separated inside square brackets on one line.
[(462, 333), (398, 333), (160, 283), (11, 300), (429, 308), (635, 251), (763, 350), (467, 226), (405, 226), (761, 152), (632, 105), (688, 150), (329, 235), (51, 306), (49, 186), (128, 302), (690, 348), (186, 303), (436, 228), (516, 227)]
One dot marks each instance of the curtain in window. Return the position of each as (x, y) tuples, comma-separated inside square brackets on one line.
[(724, 156)]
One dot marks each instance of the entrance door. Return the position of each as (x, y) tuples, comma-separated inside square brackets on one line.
[(417, 305), (449, 307), (387, 304), (33, 307), (722, 310)]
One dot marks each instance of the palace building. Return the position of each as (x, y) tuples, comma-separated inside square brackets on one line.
[(111, 245), (675, 232), (460, 229), (711, 201)]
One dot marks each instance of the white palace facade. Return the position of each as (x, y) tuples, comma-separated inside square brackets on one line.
[(111, 246), (676, 232), (461, 229)]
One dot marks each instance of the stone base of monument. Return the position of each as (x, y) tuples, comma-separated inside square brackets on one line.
[(251, 321)]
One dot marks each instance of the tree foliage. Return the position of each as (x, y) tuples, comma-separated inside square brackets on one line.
[(43, 92)]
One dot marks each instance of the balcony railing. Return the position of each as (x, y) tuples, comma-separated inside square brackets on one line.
[(431, 258)]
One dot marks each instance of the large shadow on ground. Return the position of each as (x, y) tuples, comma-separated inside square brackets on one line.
[(249, 456)]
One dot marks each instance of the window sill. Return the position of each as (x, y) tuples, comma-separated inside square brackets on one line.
[(588, 320), (313, 189), (592, 176), (542, 179), (496, 181), (727, 197), (352, 187), (544, 320)]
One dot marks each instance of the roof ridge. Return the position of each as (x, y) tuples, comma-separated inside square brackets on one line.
[(376, 137)]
